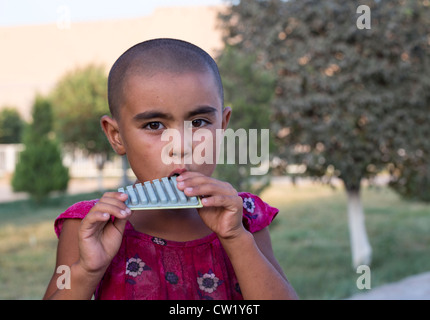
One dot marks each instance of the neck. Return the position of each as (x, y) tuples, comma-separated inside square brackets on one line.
[(175, 225)]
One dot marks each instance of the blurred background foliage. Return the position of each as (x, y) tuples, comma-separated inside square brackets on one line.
[(80, 100), (40, 169), (348, 103), (11, 125)]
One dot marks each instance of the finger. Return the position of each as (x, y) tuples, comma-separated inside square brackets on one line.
[(222, 201), (119, 224), (189, 174), (193, 178), (93, 222), (208, 189), (203, 185), (118, 210), (114, 198), (202, 179)]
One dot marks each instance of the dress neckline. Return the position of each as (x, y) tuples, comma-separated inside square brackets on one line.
[(131, 231)]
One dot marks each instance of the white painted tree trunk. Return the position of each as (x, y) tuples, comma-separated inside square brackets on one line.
[(125, 181), (360, 247), (100, 163)]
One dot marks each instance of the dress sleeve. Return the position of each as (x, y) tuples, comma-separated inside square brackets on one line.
[(77, 211), (257, 214)]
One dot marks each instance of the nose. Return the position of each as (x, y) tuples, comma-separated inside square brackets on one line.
[(183, 148), (181, 152)]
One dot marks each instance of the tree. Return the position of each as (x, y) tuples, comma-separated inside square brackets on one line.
[(248, 90), (11, 125), (40, 169), (80, 100), (349, 102)]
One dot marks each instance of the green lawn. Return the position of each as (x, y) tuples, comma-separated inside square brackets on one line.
[(310, 239), (28, 245)]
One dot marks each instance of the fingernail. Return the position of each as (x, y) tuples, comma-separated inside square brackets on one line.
[(180, 184), (105, 215), (189, 189), (123, 212), (128, 210)]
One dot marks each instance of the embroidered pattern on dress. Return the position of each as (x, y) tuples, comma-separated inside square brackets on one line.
[(249, 205), (134, 268), (208, 283), (159, 241), (171, 277)]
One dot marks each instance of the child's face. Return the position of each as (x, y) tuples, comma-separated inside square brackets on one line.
[(165, 101)]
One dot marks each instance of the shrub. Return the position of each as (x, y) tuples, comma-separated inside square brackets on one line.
[(40, 169)]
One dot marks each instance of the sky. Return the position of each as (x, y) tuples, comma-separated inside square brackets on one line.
[(33, 12)]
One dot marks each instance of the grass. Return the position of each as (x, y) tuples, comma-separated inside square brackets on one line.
[(28, 245), (310, 239)]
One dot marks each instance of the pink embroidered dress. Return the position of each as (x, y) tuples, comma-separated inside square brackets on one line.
[(151, 268)]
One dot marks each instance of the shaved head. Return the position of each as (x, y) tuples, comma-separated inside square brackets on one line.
[(154, 56)]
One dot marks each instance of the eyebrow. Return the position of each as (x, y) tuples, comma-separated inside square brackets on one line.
[(202, 110), (154, 114)]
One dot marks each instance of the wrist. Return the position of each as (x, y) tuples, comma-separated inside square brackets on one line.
[(240, 237), (78, 284), (85, 278)]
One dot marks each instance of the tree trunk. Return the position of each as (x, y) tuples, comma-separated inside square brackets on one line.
[(125, 181), (360, 247), (100, 163), (100, 183)]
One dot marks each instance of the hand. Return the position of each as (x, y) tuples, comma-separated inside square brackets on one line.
[(99, 236), (222, 206)]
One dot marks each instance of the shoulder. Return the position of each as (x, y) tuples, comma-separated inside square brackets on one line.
[(257, 214), (77, 211)]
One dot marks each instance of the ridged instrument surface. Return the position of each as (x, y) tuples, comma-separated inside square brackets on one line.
[(158, 194)]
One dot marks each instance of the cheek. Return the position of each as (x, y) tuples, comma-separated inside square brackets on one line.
[(144, 155)]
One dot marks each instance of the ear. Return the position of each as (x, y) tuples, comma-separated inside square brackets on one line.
[(226, 113), (111, 130)]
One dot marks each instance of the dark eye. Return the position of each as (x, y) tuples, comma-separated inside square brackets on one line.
[(154, 125), (198, 123)]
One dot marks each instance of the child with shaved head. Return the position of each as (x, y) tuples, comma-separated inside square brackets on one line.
[(220, 251)]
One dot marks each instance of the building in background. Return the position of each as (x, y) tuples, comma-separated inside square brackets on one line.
[(9, 154)]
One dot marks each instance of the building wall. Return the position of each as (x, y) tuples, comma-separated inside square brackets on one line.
[(33, 58), (9, 154)]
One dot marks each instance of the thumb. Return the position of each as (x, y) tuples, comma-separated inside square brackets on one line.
[(93, 223), (119, 224)]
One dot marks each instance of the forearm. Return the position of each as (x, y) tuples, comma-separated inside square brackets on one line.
[(257, 277), (82, 285)]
